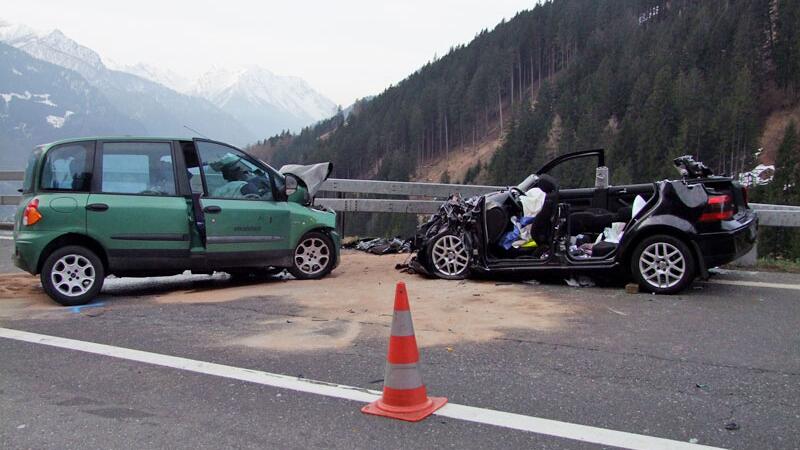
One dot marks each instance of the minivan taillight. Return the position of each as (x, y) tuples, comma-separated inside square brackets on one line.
[(31, 215), (719, 207)]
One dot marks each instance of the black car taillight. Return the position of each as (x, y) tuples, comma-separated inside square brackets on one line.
[(719, 207)]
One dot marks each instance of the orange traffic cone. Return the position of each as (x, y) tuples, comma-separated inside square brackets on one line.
[(404, 395)]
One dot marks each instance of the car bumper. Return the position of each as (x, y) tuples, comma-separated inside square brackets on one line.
[(26, 255), (727, 246), (337, 245)]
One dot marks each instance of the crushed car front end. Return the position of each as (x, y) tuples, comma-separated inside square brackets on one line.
[(445, 244)]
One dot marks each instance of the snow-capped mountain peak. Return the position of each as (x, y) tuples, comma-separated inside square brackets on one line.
[(243, 102), (259, 86), (160, 75), (13, 33), (216, 80), (52, 46)]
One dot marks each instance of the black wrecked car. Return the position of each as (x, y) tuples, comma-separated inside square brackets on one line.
[(663, 234)]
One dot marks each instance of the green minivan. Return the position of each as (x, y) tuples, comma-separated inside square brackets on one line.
[(144, 206)]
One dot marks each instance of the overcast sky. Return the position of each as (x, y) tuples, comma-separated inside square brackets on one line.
[(345, 49)]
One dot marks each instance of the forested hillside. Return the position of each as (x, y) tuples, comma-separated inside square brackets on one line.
[(646, 79)]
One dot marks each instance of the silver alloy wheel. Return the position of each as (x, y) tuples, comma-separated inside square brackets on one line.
[(450, 255), (312, 256), (662, 265), (73, 275)]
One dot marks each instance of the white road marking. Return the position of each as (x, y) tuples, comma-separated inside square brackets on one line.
[(520, 422), (7, 238), (721, 271), (758, 284)]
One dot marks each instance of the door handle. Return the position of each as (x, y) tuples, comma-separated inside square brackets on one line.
[(97, 207), (212, 209)]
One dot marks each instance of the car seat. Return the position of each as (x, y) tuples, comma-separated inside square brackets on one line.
[(543, 223), (589, 221)]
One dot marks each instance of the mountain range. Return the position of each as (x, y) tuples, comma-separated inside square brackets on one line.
[(54, 87)]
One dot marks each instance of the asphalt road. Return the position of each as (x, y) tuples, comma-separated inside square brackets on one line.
[(676, 367)]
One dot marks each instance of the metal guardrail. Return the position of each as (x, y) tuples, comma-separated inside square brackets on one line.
[(11, 175), (9, 200), (769, 215), (403, 188)]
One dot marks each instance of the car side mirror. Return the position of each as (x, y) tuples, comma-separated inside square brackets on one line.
[(291, 185)]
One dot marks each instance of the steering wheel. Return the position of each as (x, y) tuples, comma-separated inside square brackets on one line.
[(252, 196), (516, 193)]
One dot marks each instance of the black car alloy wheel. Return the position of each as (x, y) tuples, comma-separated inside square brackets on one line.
[(663, 264), (449, 256)]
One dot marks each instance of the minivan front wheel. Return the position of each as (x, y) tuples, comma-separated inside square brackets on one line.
[(663, 264), (313, 257), (72, 275)]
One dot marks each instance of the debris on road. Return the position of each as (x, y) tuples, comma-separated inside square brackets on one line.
[(379, 246), (616, 312), (731, 426), (581, 281), (632, 288)]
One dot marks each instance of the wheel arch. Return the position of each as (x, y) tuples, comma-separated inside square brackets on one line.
[(327, 231), (72, 239), (677, 233)]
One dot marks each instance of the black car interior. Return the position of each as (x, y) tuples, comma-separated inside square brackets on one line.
[(588, 212)]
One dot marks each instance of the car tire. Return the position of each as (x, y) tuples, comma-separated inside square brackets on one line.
[(313, 257), (72, 275), (449, 256), (663, 264)]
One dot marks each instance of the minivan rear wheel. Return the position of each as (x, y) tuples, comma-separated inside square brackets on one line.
[(72, 275), (663, 264)]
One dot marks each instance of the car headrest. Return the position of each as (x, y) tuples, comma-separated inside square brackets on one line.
[(547, 183)]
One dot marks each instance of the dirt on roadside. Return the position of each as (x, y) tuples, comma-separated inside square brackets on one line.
[(22, 294), (356, 300)]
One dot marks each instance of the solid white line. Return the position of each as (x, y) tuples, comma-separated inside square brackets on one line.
[(7, 238), (759, 284), (520, 422)]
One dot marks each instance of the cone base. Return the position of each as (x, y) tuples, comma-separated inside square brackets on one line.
[(410, 414)]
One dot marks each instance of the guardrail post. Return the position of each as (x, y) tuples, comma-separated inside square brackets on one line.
[(342, 219)]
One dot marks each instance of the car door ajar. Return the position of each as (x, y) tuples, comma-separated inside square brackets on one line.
[(246, 226)]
